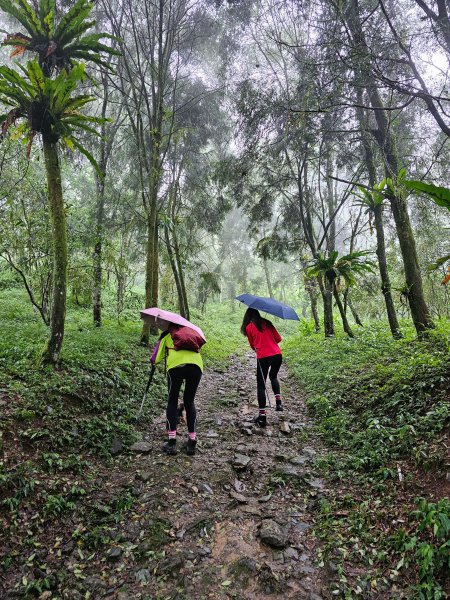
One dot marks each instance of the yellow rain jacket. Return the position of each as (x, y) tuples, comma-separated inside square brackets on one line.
[(176, 358)]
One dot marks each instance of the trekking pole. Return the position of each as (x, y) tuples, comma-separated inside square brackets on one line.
[(150, 379), (264, 381)]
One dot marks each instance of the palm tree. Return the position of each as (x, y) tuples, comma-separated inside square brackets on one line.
[(333, 269), (39, 105), (59, 43), (40, 100)]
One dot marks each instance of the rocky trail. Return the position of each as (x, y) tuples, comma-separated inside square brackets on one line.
[(233, 521)]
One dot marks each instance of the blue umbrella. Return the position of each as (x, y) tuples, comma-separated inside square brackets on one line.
[(269, 305)]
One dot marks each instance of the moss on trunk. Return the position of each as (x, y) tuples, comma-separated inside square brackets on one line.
[(59, 235)]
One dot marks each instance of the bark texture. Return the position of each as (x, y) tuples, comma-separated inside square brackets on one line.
[(59, 282)]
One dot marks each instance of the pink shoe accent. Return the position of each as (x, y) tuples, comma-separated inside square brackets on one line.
[(193, 435)]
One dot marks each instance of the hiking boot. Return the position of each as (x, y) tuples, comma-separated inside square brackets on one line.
[(170, 447), (260, 421), (279, 406), (191, 447)]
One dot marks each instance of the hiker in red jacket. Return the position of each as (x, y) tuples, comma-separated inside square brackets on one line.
[(264, 339)]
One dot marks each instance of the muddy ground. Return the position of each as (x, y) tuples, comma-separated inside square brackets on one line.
[(234, 521)]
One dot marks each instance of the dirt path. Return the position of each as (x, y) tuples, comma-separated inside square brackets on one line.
[(234, 521), (208, 514)]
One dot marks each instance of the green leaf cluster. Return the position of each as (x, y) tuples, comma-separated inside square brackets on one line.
[(58, 43)]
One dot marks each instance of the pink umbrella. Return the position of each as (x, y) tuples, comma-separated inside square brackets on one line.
[(162, 318)]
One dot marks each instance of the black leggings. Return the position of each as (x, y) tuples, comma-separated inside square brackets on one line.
[(191, 375), (267, 365)]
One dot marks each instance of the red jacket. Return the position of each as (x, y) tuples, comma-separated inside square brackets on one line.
[(265, 342)]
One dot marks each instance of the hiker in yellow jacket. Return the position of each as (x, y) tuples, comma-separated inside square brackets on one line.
[(182, 365)]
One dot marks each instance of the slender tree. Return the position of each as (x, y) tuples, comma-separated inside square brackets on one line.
[(48, 106)]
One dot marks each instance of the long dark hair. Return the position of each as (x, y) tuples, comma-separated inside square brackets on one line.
[(252, 316)]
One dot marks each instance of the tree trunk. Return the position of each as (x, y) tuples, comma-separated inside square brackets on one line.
[(384, 274), (104, 152), (379, 227), (151, 265), (121, 282), (311, 290), (348, 302), (314, 311), (419, 309), (268, 281), (327, 297), (181, 276), (59, 238), (97, 258), (170, 252), (345, 322)]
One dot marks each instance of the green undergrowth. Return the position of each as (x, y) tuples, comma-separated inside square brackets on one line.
[(102, 375), (60, 428), (382, 407)]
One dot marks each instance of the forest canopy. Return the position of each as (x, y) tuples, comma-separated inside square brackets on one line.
[(177, 154)]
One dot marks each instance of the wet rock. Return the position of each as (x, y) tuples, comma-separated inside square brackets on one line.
[(299, 460), (116, 446), (241, 461), (265, 498), (291, 554), (272, 534), (68, 548), (143, 576), (284, 427), (330, 569), (141, 447), (249, 564), (308, 451), (204, 551), (302, 527), (172, 565), (189, 555), (288, 471), (144, 476), (281, 457), (211, 434), (278, 557), (238, 497), (239, 486), (250, 510), (72, 594), (314, 596), (307, 570), (316, 484), (94, 583), (247, 431), (260, 431), (132, 531), (204, 488), (114, 554)]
